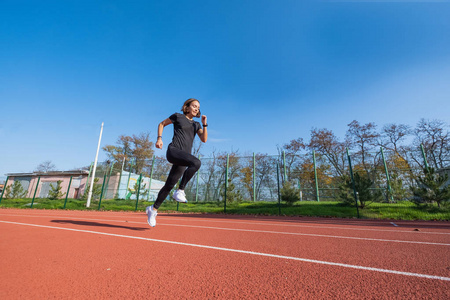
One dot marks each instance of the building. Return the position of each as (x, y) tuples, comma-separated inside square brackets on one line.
[(30, 182), (118, 185)]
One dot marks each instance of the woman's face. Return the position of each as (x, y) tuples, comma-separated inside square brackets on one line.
[(193, 109)]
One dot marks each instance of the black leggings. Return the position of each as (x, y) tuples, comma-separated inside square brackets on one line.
[(180, 161)]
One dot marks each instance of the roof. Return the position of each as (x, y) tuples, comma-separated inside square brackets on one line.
[(51, 173)]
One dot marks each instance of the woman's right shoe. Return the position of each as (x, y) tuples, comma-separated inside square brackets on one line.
[(151, 215)]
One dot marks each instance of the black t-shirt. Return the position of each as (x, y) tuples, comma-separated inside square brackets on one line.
[(184, 131)]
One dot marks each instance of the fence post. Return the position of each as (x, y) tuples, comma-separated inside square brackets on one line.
[(128, 182), (35, 190), (67, 194), (278, 191), (4, 188), (138, 190), (353, 183), (254, 177), (388, 180), (120, 179), (315, 177), (226, 184), (284, 167), (109, 177), (101, 194), (424, 157)]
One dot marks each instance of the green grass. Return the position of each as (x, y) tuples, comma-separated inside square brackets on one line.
[(396, 211)]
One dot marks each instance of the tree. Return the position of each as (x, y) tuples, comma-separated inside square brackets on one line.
[(364, 138), (55, 191), (289, 193), (392, 135), (291, 150), (432, 187), (142, 191), (325, 142), (233, 195), (364, 189), (15, 191), (435, 138), (45, 167), (96, 190), (138, 147), (264, 176)]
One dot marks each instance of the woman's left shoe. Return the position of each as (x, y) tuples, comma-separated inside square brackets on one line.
[(180, 196)]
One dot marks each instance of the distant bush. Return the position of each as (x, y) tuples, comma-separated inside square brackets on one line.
[(289, 193), (431, 188), (15, 191), (364, 188), (55, 191)]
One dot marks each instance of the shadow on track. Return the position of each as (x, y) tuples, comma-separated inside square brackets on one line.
[(95, 224)]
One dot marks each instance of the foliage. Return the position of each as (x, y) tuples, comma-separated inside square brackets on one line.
[(233, 195), (432, 188), (142, 191), (55, 191), (137, 146), (434, 136), (324, 141), (364, 187), (289, 193), (96, 190), (15, 191), (398, 190)]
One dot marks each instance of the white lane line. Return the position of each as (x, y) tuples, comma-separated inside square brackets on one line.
[(244, 252), (260, 223), (309, 234), (262, 231)]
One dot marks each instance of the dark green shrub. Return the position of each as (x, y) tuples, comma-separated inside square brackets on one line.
[(431, 189)]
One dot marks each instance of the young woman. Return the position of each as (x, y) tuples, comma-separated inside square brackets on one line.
[(179, 153)]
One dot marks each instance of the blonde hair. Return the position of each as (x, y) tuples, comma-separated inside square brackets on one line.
[(187, 103)]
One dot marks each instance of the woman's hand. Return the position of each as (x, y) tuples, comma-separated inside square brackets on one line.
[(204, 120), (159, 143)]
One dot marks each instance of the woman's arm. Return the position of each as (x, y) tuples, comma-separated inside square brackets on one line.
[(159, 142), (203, 133)]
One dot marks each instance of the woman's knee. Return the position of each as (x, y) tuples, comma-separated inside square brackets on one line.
[(196, 163)]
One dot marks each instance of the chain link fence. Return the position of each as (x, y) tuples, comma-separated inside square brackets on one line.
[(375, 181)]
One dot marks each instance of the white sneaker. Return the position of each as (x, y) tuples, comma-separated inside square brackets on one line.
[(180, 196), (151, 215)]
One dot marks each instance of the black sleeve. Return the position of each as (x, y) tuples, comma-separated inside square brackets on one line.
[(173, 118)]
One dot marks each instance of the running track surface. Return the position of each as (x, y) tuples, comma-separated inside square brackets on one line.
[(56, 254)]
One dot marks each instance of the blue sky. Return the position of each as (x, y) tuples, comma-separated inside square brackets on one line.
[(265, 72)]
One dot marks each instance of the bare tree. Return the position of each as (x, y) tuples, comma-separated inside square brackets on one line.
[(363, 138), (45, 167), (292, 151), (435, 138), (326, 143)]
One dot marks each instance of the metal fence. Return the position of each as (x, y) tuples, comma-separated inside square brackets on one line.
[(353, 178)]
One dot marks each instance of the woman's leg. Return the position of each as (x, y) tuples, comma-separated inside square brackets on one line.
[(174, 175), (181, 158)]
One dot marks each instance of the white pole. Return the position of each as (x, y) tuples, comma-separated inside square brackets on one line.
[(123, 163), (93, 172)]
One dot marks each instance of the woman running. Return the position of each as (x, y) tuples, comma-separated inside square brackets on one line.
[(179, 153)]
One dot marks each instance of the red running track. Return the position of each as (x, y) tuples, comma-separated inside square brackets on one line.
[(56, 254)]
